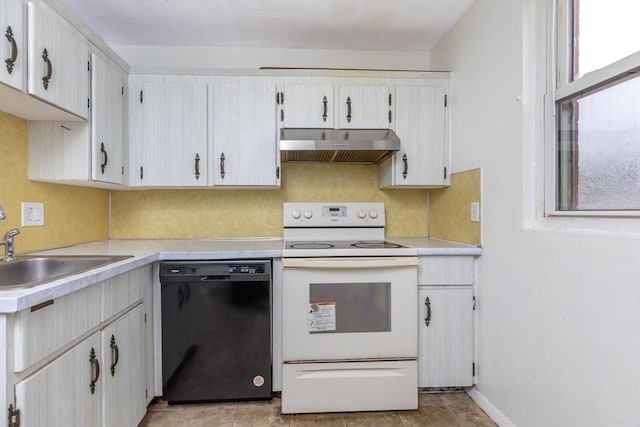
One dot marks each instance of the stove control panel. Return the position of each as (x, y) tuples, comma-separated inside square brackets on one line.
[(333, 214)]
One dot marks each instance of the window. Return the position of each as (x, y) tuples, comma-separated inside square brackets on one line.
[(597, 106)]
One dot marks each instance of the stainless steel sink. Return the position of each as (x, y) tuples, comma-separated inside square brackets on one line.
[(28, 271)]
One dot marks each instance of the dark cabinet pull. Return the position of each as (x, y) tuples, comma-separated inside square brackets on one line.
[(115, 355), (105, 158), (141, 172), (95, 370), (11, 61), (427, 319), (45, 79), (324, 109), (197, 166), (406, 165), (222, 172), (348, 109)]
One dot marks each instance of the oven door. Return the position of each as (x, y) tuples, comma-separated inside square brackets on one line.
[(349, 308)]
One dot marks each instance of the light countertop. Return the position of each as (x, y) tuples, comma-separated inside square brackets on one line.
[(143, 252)]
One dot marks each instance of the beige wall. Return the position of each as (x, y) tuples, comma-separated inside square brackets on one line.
[(449, 209), (257, 213), (72, 214)]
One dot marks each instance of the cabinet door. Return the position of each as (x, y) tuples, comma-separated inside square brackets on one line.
[(445, 337), (124, 372), (365, 107), (244, 135), (66, 392), (58, 57), (12, 44), (107, 97), (420, 124), (306, 106), (174, 151)]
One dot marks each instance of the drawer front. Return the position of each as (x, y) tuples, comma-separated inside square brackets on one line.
[(445, 270), (47, 327), (331, 387), (124, 291)]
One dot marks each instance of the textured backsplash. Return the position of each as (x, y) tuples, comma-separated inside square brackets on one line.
[(256, 213), (449, 209), (72, 214)]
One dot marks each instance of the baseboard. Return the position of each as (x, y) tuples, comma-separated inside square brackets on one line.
[(493, 412)]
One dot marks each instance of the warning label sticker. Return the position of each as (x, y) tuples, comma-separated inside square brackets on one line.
[(322, 316)]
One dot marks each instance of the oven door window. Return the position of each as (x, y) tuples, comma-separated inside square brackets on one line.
[(349, 307)]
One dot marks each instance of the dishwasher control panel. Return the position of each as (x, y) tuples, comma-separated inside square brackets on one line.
[(179, 269), (246, 268)]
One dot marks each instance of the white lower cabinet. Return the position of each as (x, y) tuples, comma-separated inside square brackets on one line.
[(446, 322), (98, 382), (94, 375), (123, 375), (60, 393)]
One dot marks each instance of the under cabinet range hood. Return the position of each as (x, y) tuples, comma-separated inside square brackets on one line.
[(355, 146)]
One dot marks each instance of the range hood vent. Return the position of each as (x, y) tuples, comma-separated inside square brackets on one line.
[(352, 146)]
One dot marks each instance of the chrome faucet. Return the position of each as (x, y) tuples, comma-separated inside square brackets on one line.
[(8, 240), (8, 244)]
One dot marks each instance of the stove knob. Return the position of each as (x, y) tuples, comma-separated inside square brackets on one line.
[(295, 214), (373, 214), (308, 214), (362, 214)]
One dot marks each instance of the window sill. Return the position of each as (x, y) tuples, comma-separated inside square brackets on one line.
[(590, 223)]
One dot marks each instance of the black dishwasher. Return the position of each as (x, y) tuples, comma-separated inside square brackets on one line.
[(216, 330)]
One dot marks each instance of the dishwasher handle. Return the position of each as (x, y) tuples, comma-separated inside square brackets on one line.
[(215, 278)]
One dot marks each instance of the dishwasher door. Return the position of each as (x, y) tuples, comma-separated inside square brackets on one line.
[(216, 330)]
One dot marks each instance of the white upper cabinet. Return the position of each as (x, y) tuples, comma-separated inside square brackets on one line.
[(244, 135), (107, 102), (79, 152), (12, 43), (420, 120), (306, 106), (58, 60), (174, 135), (364, 107)]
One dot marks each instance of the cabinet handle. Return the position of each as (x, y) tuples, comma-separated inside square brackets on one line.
[(105, 158), (141, 172), (222, 172), (45, 79), (427, 319), (406, 165), (10, 61), (348, 109), (95, 370), (324, 109), (115, 355), (197, 165)]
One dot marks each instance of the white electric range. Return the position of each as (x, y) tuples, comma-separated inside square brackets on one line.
[(349, 311)]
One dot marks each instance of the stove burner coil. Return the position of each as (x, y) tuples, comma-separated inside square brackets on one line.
[(311, 246)]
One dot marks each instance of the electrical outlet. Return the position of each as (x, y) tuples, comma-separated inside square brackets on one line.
[(475, 211), (32, 214)]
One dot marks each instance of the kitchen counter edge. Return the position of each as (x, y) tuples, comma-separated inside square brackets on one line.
[(143, 252)]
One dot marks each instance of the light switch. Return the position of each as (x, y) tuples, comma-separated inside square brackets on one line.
[(475, 211), (32, 214)]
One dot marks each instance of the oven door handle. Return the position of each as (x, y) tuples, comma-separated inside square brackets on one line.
[(346, 262)]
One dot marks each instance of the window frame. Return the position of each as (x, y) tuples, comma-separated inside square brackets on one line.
[(560, 87)]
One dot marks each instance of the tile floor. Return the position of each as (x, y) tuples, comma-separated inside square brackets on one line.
[(438, 410)]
